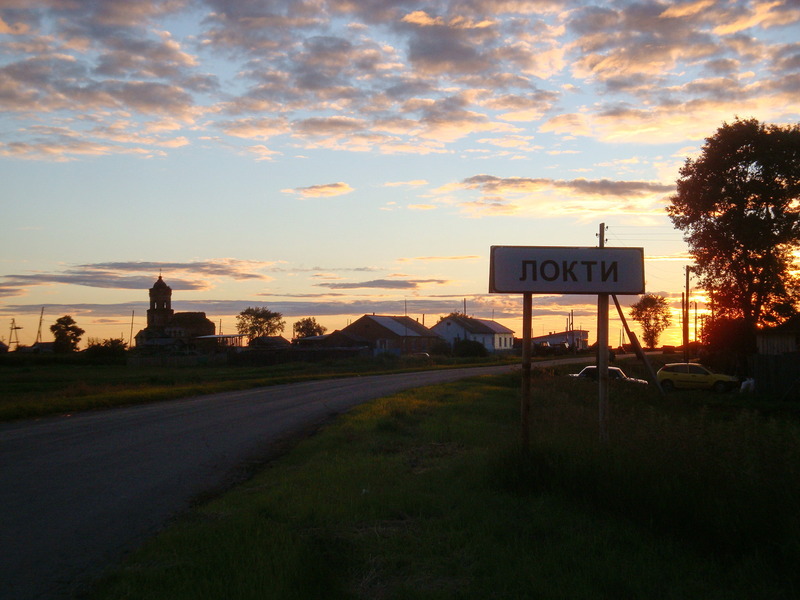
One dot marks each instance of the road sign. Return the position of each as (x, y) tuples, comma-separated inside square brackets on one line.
[(566, 270)]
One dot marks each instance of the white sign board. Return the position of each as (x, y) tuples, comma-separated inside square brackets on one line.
[(566, 270)]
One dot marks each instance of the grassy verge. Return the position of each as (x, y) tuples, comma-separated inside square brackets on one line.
[(426, 495), (36, 388)]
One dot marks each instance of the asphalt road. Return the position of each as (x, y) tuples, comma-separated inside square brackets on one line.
[(78, 492)]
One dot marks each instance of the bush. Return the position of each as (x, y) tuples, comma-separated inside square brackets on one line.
[(469, 348), (106, 352)]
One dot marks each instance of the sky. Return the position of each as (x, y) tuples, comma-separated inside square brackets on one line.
[(335, 158)]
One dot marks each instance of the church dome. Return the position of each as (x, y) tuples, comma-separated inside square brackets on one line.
[(159, 284)]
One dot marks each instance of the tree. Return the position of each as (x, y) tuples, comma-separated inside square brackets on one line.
[(67, 334), (454, 314), (259, 321), (738, 205), (308, 327), (108, 351), (653, 314), (469, 348), (728, 341)]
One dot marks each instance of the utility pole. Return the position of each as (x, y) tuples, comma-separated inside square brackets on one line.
[(13, 338), (686, 315), (39, 332)]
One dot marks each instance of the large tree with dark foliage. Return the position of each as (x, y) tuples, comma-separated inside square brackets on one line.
[(653, 314), (67, 334), (259, 321), (738, 205), (308, 327)]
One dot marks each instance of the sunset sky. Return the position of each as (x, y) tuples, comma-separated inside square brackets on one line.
[(332, 158)]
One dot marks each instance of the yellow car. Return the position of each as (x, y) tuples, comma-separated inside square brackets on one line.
[(693, 375)]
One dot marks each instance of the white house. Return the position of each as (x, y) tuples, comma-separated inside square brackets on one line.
[(493, 336)]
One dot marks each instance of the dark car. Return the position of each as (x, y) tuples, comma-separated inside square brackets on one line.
[(614, 374)]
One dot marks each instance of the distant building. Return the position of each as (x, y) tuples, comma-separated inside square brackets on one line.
[(396, 335), (492, 335), (576, 339), (167, 329)]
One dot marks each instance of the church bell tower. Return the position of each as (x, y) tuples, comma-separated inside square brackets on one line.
[(160, 311)]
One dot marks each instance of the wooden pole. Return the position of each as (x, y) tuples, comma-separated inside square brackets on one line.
[(602, 353), (525, 401), (686, 318), (651, 372)]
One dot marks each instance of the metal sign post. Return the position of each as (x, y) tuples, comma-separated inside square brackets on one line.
[(566, 270)]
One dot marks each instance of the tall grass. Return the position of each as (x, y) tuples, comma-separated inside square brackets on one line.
[(427, 494)]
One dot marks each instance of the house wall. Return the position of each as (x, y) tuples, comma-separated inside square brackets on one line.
[(579, 339), (778, 343), (451, 331), (383, 340)]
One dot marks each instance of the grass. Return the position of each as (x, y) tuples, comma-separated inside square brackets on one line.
[(39, 386), (427, 495)]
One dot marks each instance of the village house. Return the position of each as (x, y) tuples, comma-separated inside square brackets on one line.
[(492, 335), (395, 335)]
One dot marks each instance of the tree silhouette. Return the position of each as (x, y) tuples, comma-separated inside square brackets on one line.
[(653, 314), (259, 321), (67, 334), (308, 327), (738, 204)]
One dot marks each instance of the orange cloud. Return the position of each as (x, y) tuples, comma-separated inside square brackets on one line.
[(322, 191)]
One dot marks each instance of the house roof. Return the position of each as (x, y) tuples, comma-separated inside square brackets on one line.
[(408, 327), (472, 325), (401, 326), (270, 341)]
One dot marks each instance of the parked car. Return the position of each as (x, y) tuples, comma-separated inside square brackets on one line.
[(693, 375), (614, 374)]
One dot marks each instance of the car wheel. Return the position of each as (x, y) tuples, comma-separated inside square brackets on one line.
[(720, 387), (667, 385)]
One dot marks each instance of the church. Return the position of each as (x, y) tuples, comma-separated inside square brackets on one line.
[(167, 329)]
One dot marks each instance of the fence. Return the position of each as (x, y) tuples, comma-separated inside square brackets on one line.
[(777, 375)]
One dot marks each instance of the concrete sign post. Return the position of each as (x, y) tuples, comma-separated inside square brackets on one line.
[(599, 270)]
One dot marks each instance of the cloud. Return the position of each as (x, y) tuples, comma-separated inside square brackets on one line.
[(412, 183), (139, 275), (601, 187), (388, 284), (326, 190), (13, 28), (467, 257), (255, 128), (514, 195), (391, 78)]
